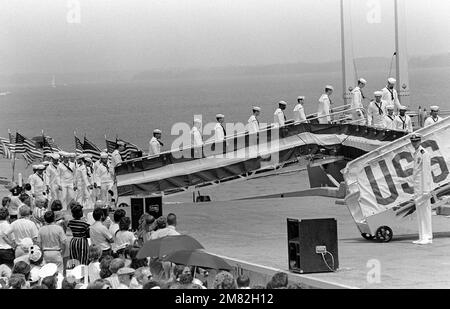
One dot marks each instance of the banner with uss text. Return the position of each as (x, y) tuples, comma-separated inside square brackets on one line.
[(383, 177)]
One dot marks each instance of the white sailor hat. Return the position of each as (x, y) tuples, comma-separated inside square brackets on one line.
[(63, 153), (87, 159), (301, 97), (55, 156), (103, 155), (403, 108), (80, 156), (220, 116), (197, 120), (378, 93), (415, 137), (35, 167), (362, 81), (155, 131), (48, 270), (434, 108), (256, 108), (390, 107), (329, 87), (120, 143), (71, 155), (46, 163), (282, 103), (392, 80), (40, 167), (88, 156)]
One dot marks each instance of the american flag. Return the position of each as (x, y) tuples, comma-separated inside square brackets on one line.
[(28, 148), (129, 149), (90, 148), (78, 146), (48, 145), (5, 146)]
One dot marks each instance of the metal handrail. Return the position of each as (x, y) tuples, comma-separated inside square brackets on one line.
[(240, 134)]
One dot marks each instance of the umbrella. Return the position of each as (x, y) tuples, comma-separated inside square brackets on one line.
[(168, 244), (198, 258)]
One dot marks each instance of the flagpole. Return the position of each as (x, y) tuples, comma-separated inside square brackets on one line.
[(13, 162), (106, 143)]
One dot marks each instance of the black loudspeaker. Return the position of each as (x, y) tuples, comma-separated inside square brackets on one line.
[(151, 205), (312, 245)]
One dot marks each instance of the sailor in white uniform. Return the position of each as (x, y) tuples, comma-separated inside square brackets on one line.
[(402, 122), (72, 157), (37, 182), (253, 122), (53, 182), (423, 185), (357, 102), (196, 135), (66, 172), (434, 117), (389, 118), (390, 94), (299, 111), (82, 183), (279, 118), (155, 143), (376, 111), (324, 108), (103, 177), (93, 186), (116, 158), (219, 129)]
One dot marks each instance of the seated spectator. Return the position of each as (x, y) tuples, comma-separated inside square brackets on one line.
[(147, 225), (243, 282), (99, 284), (94, 265), (6, 243), (278, 281), (23, 268), (152, 284), (166, 227), (17, 282), (116, 264), (224, 280), (50, 282), (141, 276), (14, 204), (23, 250), (105, 263), (125, 274), (123, 239), (135, 262)]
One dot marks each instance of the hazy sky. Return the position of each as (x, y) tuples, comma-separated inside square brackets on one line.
[(36, 36)]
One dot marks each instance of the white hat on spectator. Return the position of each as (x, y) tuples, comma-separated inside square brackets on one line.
[(282, 103), (362, 81), (103, 155), (256, 108), (48, 270), (329, 87), (156, 131), (220, 116)]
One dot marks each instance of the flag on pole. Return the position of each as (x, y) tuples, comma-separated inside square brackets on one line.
[(129, 148), (90, 148), (48, 145), (5, 148), (28, 147), (78, 145), (110, 145)]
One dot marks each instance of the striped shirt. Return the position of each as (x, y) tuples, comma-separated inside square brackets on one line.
[(79, 228)]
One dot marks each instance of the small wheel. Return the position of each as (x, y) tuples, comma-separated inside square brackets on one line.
[(384, 234), (367, 236)]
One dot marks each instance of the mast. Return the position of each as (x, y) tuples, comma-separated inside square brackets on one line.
[(402, 75), (348, 67)]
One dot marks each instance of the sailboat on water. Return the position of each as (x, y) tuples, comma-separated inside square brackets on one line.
[(53, 82)]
